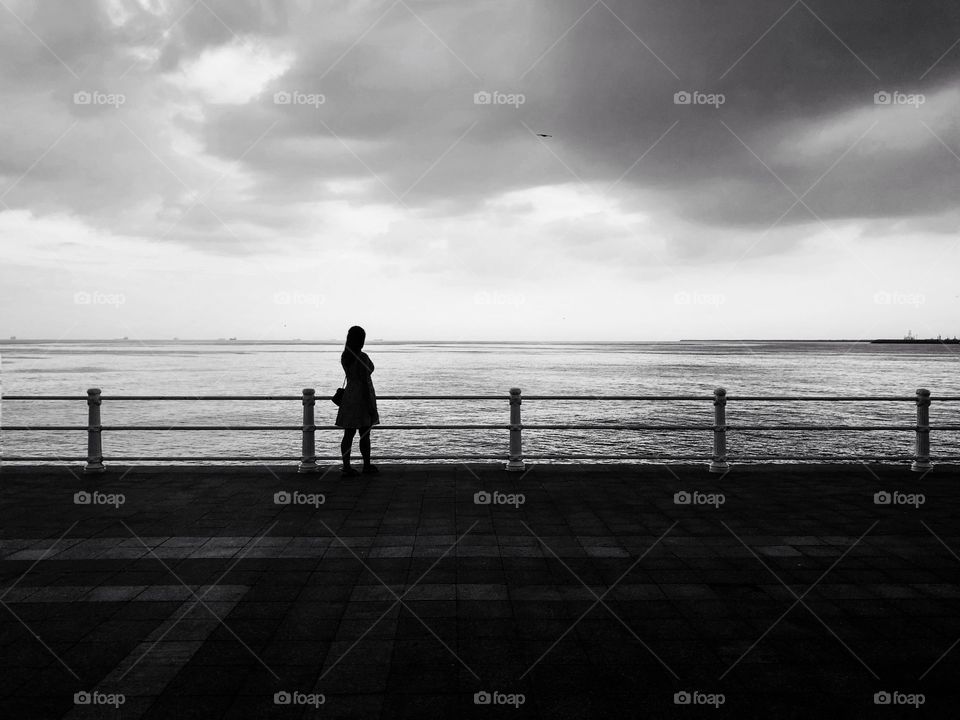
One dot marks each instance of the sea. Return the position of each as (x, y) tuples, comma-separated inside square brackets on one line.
[(595, 369)]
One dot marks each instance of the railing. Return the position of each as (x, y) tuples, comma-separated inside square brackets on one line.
[(921, 458)]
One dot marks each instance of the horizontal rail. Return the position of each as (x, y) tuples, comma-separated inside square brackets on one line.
[(250, 458), (703, 428), (756, 398), (332, 458), (698, 398), (503, 426), (247, 397)]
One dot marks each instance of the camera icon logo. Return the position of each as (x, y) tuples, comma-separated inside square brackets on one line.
[(82, 698), (482, 498), (282, 698), (682, 498), (281, 498), (282, 98), (682, 698), (82, 498), (882, 498), (82, 98), (882, 698), (682, 98), (882, 98), (482, 98), (482, 698)]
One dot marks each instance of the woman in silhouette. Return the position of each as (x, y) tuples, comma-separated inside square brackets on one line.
[(358, 408)]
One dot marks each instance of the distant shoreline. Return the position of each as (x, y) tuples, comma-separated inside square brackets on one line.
[(241, 341)]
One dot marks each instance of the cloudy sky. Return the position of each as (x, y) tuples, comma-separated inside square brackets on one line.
[(286, 168)]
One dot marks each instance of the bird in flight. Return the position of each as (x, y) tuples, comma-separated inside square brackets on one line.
[(543, 135)]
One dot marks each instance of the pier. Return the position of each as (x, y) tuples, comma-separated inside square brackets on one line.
[(504, 586), (604, 591)]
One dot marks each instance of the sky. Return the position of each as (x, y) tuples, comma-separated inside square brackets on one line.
[(271, 169)]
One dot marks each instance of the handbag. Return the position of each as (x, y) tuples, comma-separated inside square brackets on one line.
[(338, 395)]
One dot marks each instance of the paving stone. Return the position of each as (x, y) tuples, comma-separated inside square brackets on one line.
[(283, 608)]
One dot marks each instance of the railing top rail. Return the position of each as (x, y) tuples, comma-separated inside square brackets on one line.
[(505, 396), (501, 426), (752, 398)]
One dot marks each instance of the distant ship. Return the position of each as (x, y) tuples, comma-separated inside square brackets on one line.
[(909, 339)]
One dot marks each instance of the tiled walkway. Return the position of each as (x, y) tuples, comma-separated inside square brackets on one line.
[(780, 591)]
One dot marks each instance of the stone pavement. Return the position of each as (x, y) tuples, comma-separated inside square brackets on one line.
[(562, 592)]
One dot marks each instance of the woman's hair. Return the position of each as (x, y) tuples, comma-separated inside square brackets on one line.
[(355, 339)]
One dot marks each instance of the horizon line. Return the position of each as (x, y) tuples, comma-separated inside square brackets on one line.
[(16, 339)]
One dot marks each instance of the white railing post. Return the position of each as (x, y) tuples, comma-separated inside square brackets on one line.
[(922, 451), (515, 459), (719, 462), (308, 458), (94, 428)]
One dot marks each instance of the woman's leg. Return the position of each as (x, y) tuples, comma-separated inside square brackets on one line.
[(365, 445), (346, 444)]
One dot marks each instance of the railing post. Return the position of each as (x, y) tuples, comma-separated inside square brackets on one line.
[(922, 454), (94, 442), (308, 459), (719, 462), (515, 459)]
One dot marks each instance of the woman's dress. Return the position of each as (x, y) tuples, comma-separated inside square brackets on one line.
[(358, 408)]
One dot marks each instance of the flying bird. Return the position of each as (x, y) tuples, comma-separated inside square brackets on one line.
[(543, 135)]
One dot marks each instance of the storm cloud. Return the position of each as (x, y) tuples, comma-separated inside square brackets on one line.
[(689, 130)]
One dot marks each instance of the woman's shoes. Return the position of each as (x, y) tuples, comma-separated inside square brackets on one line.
[(348, 472), (370, 470)]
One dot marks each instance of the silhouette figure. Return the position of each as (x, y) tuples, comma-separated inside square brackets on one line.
[(358, 408)]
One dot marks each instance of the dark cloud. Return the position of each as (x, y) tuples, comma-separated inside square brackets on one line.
[(400, 125)]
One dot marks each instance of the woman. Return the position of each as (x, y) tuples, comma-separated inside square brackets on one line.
[(358, 408)]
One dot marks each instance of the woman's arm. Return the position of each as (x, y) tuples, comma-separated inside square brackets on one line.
[(367, 363)]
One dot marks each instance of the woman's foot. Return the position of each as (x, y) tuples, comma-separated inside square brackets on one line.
[(370, 470), (348, 471)]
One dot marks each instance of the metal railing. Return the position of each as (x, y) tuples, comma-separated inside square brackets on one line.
[(719, 460)]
